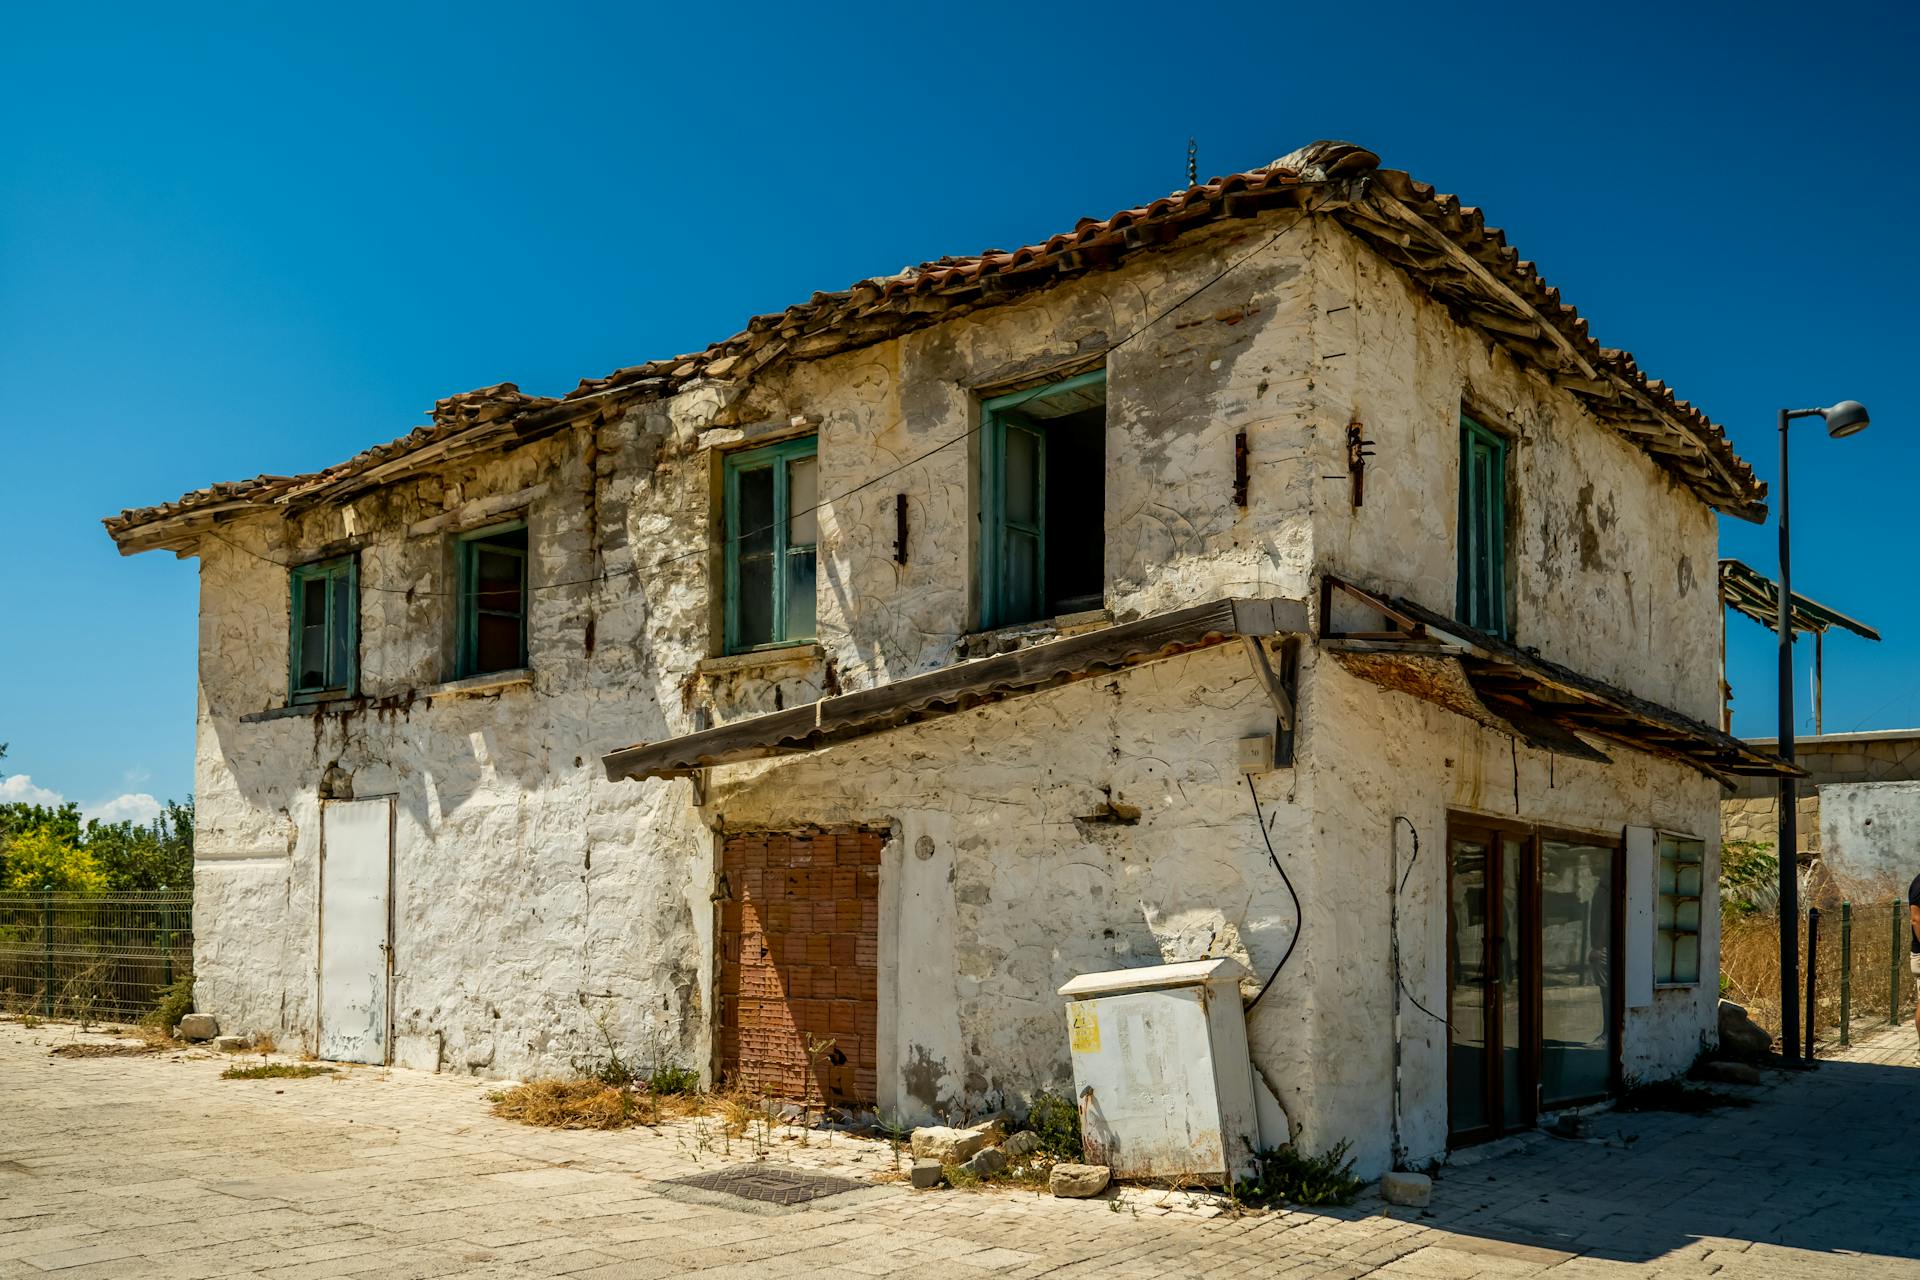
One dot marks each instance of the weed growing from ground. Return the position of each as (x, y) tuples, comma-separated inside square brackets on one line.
[(1056, 1121), (176, 1002), (274, 1071), (668, 1081), (1284, 1176)]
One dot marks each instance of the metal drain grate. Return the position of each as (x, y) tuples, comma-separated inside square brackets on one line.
[(771, 1183)]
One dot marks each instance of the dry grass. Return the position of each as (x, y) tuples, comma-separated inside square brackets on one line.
[(575, 1104), (151, 1040), (106, 1050), (1750, 959)]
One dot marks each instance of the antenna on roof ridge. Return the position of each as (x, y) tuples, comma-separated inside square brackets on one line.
[(1193, 163)]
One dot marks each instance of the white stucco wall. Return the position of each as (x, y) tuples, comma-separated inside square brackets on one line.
[(1611, 562)]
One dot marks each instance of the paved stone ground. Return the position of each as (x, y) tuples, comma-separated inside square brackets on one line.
[(154, 1168)]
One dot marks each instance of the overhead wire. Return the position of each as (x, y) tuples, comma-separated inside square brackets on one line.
[(636, 569)]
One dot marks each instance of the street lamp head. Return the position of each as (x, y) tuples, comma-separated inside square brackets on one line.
[(1845, 418)]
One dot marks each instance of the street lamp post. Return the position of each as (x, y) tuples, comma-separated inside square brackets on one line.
[(1843, 419)]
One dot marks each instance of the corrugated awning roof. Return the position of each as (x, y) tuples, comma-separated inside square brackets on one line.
[(1431, 656), (959, 687), (1747, 591)]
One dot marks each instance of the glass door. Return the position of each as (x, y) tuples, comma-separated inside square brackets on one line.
[(1489, 994), (1579, 1025), (1533, 996)]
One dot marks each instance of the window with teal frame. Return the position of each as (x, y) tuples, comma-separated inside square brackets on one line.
[(1483, 529), (491, 565), (323, 652), (1043, 501), (771, 532)]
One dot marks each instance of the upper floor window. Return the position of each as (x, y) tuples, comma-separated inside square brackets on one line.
[(772, 531), (325, 608), (491, 565), (1483, 528), (1043, 501), (1676, 954)]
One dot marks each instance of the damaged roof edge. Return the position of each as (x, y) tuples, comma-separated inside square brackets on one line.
[(950, 689), (1534, 698), (1444, 246)]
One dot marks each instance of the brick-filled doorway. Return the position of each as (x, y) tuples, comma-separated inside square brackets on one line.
[(799, 963)]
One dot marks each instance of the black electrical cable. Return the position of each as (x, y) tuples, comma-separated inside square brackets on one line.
[(1400, 981), (1260, 820)]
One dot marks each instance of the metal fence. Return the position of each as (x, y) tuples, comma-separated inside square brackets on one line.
[(92, 955), (1858, 969)]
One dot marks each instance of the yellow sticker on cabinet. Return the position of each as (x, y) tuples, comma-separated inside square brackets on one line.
[(1083, 1023)]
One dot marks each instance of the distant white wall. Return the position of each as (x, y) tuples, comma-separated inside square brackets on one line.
[(1870, 831)]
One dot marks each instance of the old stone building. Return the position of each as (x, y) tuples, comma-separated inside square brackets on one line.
[(867, 675)]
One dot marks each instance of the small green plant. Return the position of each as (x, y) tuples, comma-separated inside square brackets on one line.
[(1749, 872), (275, 1071), (612, 1070), (665, 1080), (1056, 1122), (176, 1002), (898, 1133), (1285, 1176)]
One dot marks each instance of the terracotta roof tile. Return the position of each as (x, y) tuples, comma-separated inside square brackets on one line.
[(1459, 256)]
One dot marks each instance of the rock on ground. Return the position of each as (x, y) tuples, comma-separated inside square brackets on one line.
[(199, 1026), (947, 1146), (1021, 1145), (926, 1173), (987, 1160), (1079, 1181), (1741, 1036)]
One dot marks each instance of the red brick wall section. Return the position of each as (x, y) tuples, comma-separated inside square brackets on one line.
[(799, 960)]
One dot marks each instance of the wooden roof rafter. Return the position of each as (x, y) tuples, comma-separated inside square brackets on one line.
[(1539, 701)]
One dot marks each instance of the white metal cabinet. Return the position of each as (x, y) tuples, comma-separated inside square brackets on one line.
[(1161, 1069)]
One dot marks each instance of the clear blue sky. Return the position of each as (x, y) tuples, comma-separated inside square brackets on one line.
[(263, 239)]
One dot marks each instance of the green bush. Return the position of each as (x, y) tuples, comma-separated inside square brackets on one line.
[(668, 1079), (1056, 1122), (176, 1002), (1749, 878), (1285, 1176)]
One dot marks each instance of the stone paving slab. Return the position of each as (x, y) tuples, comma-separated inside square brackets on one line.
[(154, 1168)]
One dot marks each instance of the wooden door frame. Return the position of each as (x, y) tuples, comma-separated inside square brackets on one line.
[(1533, 837)]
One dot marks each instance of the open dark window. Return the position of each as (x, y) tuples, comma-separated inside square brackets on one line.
[(325, 608), (492, 566), (1043, 501), (1483, 529), (772, 531)]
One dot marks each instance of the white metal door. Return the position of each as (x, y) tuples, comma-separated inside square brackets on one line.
[(356, 877)]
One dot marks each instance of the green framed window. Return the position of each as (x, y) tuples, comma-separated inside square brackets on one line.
[(1483, 528), (323, 654), (491, 565), (1043, 501), (1676, 948), (772, 536)]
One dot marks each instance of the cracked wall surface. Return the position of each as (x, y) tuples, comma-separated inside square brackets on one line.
[(1100, 825)]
